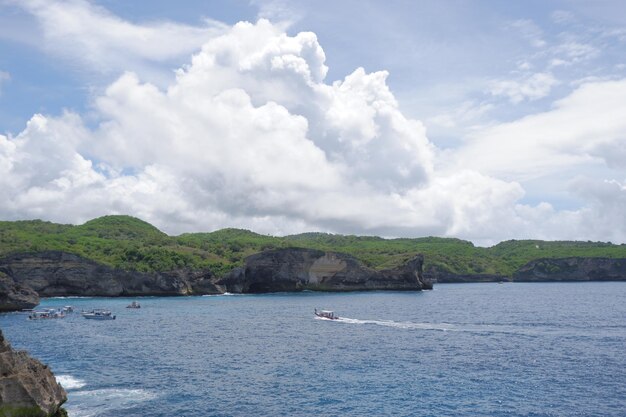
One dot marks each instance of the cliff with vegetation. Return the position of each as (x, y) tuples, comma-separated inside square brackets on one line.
[(122, 255), (27, 387), (310, 269)]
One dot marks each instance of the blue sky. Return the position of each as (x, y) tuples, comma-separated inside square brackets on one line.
[(505, 117)]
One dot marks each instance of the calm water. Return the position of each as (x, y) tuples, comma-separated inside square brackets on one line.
[(470, 349)]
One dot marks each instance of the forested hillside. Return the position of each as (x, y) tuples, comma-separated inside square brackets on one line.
[(132, 244)]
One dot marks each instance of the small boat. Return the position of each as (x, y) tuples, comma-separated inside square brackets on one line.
[(98, 314), (326, 314), (68, 309), (49, 313), (134, 304)]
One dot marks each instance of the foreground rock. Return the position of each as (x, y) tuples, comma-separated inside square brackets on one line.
[(14, 296), (306, 269), (55, 274), (573, 269), (27, 387)]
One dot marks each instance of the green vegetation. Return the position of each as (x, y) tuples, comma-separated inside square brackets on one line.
[(132, 244)]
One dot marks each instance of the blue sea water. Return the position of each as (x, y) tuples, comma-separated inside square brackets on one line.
[(537, 349)]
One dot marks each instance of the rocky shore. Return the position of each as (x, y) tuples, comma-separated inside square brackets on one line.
[(27, 387), (544, 270), (573, 269), (26, 277), (56, 274)]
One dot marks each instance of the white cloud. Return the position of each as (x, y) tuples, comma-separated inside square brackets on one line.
[(585, 127), (530, 31), (83, 32), (532, 87), (467, 113), (249, 134), (577, 51), (563, 17), (236, 128)]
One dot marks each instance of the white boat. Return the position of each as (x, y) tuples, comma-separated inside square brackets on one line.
[(98, 314), (134, 304), (49, 313), (68, 309), (326, 314)]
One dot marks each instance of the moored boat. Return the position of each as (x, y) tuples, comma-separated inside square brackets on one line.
[(326, 314), (134, 304), (98, 314), (49, 313)]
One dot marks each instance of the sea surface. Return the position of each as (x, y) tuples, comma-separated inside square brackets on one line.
[(539, 349)]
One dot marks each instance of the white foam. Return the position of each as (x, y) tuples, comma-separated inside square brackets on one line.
[(222, 295), (69, 297), (447, 327), (400, 325), (69, 382), (104, 401)]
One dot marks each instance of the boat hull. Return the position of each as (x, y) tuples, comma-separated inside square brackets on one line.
[(90, 317), (326, 317)]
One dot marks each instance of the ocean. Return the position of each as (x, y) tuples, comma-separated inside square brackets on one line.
[(513, 349)]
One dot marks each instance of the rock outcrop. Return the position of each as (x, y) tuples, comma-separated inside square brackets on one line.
[(25, 277), (53, 274), (27, 387), (572, 269), (296, 269), (439, 275), (14, 296)]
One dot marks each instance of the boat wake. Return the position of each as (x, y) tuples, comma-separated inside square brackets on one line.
[(448, 327), (444, 327)]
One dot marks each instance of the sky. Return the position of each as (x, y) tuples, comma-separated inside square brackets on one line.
[(483, 120)]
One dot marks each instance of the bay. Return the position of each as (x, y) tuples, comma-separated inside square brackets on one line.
[(536, 349)]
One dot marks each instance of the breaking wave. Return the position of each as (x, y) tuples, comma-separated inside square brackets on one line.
[(104, 402), (69, 382)]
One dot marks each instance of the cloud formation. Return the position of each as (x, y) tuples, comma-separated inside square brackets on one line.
[(531, 87), (250, 134), (96, 40)]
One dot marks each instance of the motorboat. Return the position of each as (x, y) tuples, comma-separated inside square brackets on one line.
[(68, 309), (326, 314), (98, 314), (134, 304), (49, 313)]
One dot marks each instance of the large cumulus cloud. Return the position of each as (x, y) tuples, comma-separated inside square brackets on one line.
[(251, 134)]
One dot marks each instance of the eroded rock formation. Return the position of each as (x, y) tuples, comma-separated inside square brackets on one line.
[(53, 274), (298, 269), (27, 387), (573, 269), (14, 296)]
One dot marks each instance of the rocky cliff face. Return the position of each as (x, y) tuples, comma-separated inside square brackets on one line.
[(52, 274), (435, 274), (305, 269), (15, 296), (27, 387), (573, 269)]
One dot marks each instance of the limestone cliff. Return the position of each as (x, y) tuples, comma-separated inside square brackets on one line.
[(27, 387), (573, 269), (440, 275), (54, 273), (296, 269), (14, 296)]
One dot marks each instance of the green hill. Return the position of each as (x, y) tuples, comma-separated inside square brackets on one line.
[(129, 243)]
